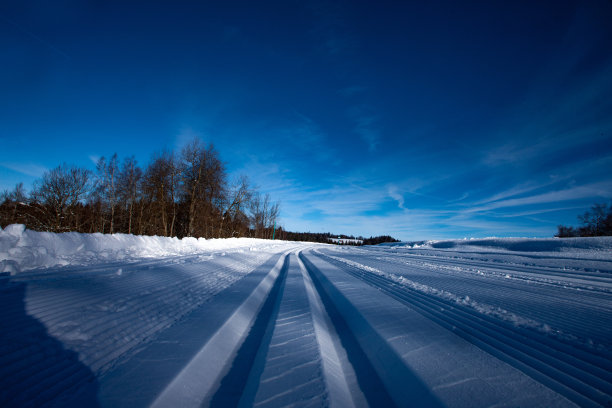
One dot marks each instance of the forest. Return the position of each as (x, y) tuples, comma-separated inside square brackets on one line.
[(186, 193), (178, 194)]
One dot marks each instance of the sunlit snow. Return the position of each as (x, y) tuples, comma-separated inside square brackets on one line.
[(122, 320)]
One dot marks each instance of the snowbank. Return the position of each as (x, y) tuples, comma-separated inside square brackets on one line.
[(571, 245), (22, 249)]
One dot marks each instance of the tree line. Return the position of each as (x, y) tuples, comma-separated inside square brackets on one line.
[(324, 237), (182, 194), (595, 222)]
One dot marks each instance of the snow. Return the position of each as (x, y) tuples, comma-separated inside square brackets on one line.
[(23, 250), (132, 321), (206, 369), (590, 245)]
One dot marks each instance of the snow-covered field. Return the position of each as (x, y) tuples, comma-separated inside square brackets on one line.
[(111, 321)]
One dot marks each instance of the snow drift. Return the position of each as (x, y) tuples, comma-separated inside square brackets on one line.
[(557, 245), (22, 249)]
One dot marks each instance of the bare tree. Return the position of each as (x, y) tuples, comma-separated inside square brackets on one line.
[(58, 191), (175, 169), (18, 194), (12, 205), (236, 200), (106, 186), (263, 215), (129, 185), (272, 210), (161, 183), (193, 156), (596, 222), (203, 184), (256, 216)]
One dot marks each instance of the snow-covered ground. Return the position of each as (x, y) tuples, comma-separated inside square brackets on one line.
[(120, 320)]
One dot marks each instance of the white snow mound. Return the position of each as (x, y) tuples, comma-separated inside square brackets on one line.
[(22, 249), (555, 245)]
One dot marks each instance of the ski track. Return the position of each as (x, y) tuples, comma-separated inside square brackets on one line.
[(583, 374), (292, 357), (324, 326), (581, 314)]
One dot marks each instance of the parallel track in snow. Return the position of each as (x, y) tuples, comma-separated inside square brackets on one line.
[(289, 352), (524, 264), (104, 314), (336, 327), (583, 378), (580, 314), (599, 280)]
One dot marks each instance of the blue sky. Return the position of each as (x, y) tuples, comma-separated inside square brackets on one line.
[(422, 120)]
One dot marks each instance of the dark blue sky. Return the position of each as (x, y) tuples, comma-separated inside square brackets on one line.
[(415, 119)]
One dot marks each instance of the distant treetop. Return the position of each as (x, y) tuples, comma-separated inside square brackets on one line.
[(595, 223)]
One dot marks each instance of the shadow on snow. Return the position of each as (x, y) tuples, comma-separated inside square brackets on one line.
[(35, 368)]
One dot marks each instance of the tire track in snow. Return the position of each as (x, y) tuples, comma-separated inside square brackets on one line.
[(581, 381)]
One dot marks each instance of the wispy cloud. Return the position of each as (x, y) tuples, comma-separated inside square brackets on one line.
[(394, 194), (457, 200), (518, 190), (268, 174), (366, 124), (540, 211), (594, 190), (94, 158), (301, 134), (366, 128), (356, 205), (537, 128), (28, 169), (464, 226), (514, 152), (305, 132)]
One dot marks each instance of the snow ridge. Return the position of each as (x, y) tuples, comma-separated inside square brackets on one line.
[(24, 250), (497, 312)]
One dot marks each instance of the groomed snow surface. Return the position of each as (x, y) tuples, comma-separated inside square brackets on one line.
[(126, 321)]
